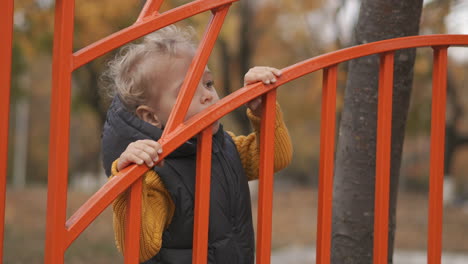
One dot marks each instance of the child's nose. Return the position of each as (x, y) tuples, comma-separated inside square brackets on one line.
[(206, 97)]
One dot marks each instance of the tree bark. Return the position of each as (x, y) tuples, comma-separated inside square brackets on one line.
[(354, 182)]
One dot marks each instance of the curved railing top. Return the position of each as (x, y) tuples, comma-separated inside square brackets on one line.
[(183, 132), (247, 93)]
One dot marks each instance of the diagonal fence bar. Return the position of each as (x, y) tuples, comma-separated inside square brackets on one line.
[(436, 181), (202, 197), (265, 196), (196, 69), (99, 201), (327, 154), (383, 149), (6, 31)]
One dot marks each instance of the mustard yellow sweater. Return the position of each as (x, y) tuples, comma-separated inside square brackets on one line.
[(157, 206)]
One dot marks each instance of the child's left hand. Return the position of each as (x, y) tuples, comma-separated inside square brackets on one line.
[(263, 74)]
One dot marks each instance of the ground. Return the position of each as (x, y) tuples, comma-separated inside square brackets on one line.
[(294, 225)]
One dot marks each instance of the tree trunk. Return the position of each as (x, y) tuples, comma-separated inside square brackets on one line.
[(353, 201)]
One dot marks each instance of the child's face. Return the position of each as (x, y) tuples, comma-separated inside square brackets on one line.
[(171, 76)]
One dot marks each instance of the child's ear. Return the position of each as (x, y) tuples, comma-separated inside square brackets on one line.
[(147, 114)]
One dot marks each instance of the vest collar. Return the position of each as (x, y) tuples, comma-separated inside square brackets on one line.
[(130, 128)]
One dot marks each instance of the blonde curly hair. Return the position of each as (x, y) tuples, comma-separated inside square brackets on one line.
[(130, 75)]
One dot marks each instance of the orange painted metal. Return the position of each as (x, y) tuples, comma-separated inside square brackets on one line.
[(202, 197), (59, 132), (382, 167), (379, 47), (436, 181), (6, 31), (265, 194), (99, 201), (327, 159), (133, 224)]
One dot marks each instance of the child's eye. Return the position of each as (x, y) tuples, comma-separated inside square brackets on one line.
[(209, 84)]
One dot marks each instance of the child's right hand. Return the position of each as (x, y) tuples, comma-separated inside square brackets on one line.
[(267, 75), (139, 152)]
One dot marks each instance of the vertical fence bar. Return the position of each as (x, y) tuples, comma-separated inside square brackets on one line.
[(436, 181), (59, 132), (6, 31), (133, 224), (327, 154), (265, 202), (196, 69), (382, 168), (202, 197)]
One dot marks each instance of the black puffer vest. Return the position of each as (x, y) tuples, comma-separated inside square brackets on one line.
[(231, 237)]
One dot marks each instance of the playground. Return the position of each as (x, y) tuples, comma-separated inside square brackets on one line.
[(373, 169)]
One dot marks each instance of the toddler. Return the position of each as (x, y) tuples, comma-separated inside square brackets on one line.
[(146, 80)]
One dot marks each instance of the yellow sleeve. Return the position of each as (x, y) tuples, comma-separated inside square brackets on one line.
[(248, 146), (157, 212)]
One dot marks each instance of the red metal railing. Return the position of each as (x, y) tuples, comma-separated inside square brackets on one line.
[(62, 232), (436, 181), (6, 31)]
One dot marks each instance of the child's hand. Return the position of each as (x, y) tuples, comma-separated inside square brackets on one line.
[(139, 152), (266, 75)]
